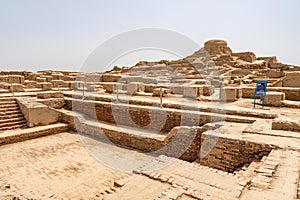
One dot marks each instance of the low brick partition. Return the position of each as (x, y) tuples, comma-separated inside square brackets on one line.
[(248, 92), (274, 98), (45, 86), (192, 91), (16, 87), (286, 124), (109, 87), (290, 93), (110, 78), (51, 94), (134, 87), (246, 56), (230, 94), (53, 99), (31, 133), (56, 103), (291, 79)]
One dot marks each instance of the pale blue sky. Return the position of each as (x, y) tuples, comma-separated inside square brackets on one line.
[(60, 34)]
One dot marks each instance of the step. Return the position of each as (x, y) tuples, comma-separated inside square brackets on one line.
[(291, 104), (13, 119), (10, 105), (249, 171), (19, 126), (9, 124), (277, 178), (8, 137), (10, 115), (264, 173), (10, 111), (8, 102), (5, 99), (239, 119)]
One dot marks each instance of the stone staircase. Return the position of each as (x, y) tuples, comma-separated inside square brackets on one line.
[(11, 116), (276, 178)]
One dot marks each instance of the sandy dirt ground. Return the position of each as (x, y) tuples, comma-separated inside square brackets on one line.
[(56, 166)]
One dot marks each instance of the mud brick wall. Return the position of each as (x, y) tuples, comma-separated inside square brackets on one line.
[(140, 116), (117, 136), (69, 118), (246, 56), (286, 124), (230, 154), (272, 59), (4, 79), (180, 142), (32, 134), (290, 93), (20, 73), (184, 143)]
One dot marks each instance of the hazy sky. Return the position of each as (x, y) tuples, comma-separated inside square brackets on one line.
[(60, 34)]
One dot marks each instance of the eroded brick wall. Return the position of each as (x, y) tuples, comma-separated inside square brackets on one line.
[(230, 154), (140, 116)]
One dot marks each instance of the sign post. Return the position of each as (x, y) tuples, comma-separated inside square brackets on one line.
[(117, 87), (260, 91), (160, 95), (160, 92)]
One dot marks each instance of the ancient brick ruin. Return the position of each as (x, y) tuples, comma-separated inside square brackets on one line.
[(195, 113)]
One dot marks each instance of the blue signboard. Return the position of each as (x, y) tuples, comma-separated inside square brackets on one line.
[(260, 91)]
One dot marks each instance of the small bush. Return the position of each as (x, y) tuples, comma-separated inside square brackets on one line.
[(116, 68), (163, 62)]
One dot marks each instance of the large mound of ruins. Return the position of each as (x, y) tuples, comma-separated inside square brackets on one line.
[(193, 119)]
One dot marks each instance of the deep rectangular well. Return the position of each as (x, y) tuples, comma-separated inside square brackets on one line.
[(230, 154)]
